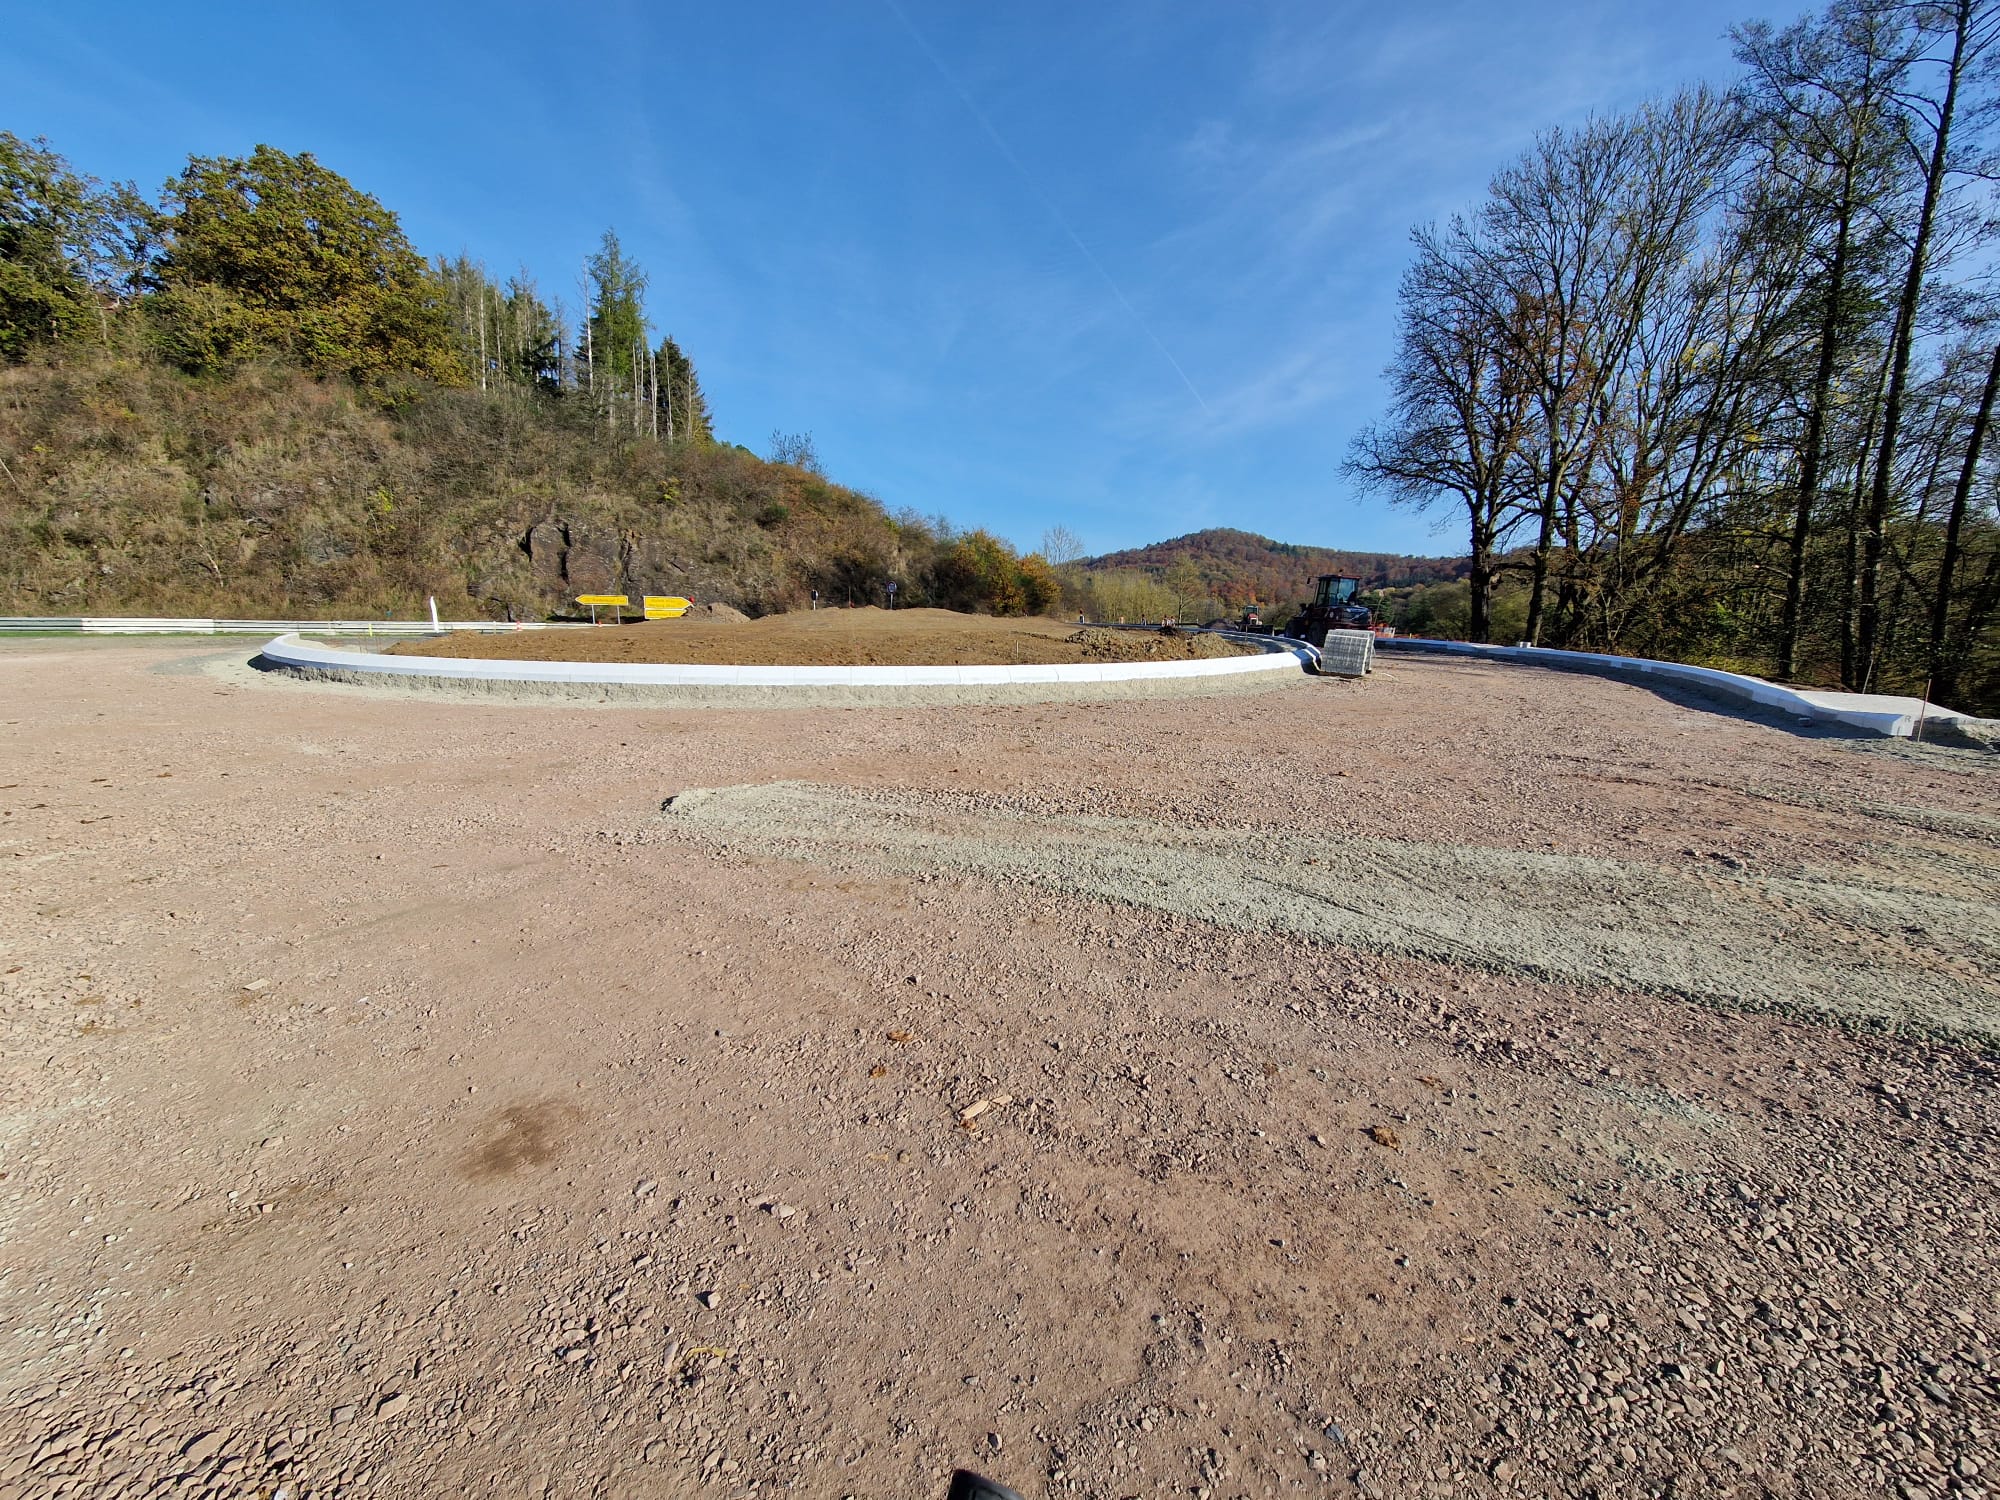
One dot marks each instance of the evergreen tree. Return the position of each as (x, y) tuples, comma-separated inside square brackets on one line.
[(617, 324), (534, 354), (504, 336), (684, 414)]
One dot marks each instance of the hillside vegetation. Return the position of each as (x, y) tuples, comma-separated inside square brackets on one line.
[(136, 489), (254, 397)]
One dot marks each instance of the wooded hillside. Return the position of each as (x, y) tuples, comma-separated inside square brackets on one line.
[(1236, 568), (254, 397)]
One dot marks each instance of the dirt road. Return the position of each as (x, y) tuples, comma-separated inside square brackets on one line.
[(1472, 1081)]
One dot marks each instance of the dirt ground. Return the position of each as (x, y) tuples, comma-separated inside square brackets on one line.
[(1469, 1081), (834, 638)]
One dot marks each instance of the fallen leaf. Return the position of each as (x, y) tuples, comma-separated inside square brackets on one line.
[(878, 1071), (1382, 1135), (899, 1037)]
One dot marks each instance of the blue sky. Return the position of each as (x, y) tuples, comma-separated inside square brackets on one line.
[(1129, 268)]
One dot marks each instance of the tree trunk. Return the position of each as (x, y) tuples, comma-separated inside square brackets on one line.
[(1944, 673), (1539, 578), (1544, 540), (1979, 609), (1480, 627), (1869, 622), (1811, 458), (1850, 677)]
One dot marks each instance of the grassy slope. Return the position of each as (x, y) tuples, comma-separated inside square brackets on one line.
[(134, 489)]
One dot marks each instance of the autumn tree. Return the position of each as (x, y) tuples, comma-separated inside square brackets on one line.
[(274, 252), (1184, 581), (71, 247)]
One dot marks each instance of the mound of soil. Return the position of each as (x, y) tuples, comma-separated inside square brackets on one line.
[(833, 638), (1165, 644), (725, 612)]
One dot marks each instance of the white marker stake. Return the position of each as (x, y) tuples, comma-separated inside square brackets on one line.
[(436, 629)]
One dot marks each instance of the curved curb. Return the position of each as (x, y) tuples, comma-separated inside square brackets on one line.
[(150, 625), (1877, 714), (293, 653)]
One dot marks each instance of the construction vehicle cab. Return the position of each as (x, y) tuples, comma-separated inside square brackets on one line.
[(1332, 608)]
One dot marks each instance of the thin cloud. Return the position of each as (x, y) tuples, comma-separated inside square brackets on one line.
[(1062, 221)]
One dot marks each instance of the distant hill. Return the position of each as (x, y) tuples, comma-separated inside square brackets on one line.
[(1241, 567)]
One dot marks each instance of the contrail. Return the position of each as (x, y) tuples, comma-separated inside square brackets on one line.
[(1062, 220)]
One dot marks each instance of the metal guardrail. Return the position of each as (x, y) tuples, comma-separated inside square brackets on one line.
[(165, 625)]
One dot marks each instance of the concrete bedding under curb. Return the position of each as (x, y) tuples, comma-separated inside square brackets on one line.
[(692, 685)]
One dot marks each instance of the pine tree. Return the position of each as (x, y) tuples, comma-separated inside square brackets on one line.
[(683, 408), (617, 323), (533, 354), (507, 337)]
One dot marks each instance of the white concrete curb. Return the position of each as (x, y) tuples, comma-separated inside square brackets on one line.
[(1870, 713), (299, 654)]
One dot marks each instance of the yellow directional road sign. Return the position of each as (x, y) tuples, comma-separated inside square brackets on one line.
[(602, 599), (667, 607)]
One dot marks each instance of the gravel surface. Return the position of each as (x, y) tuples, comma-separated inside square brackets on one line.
[(1470, 1081)]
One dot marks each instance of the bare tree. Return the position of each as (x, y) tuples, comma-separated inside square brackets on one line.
[(1944, 663), (1818, 98), (795, 448), (1061, 546), (1459, 412), (1950, 40)]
